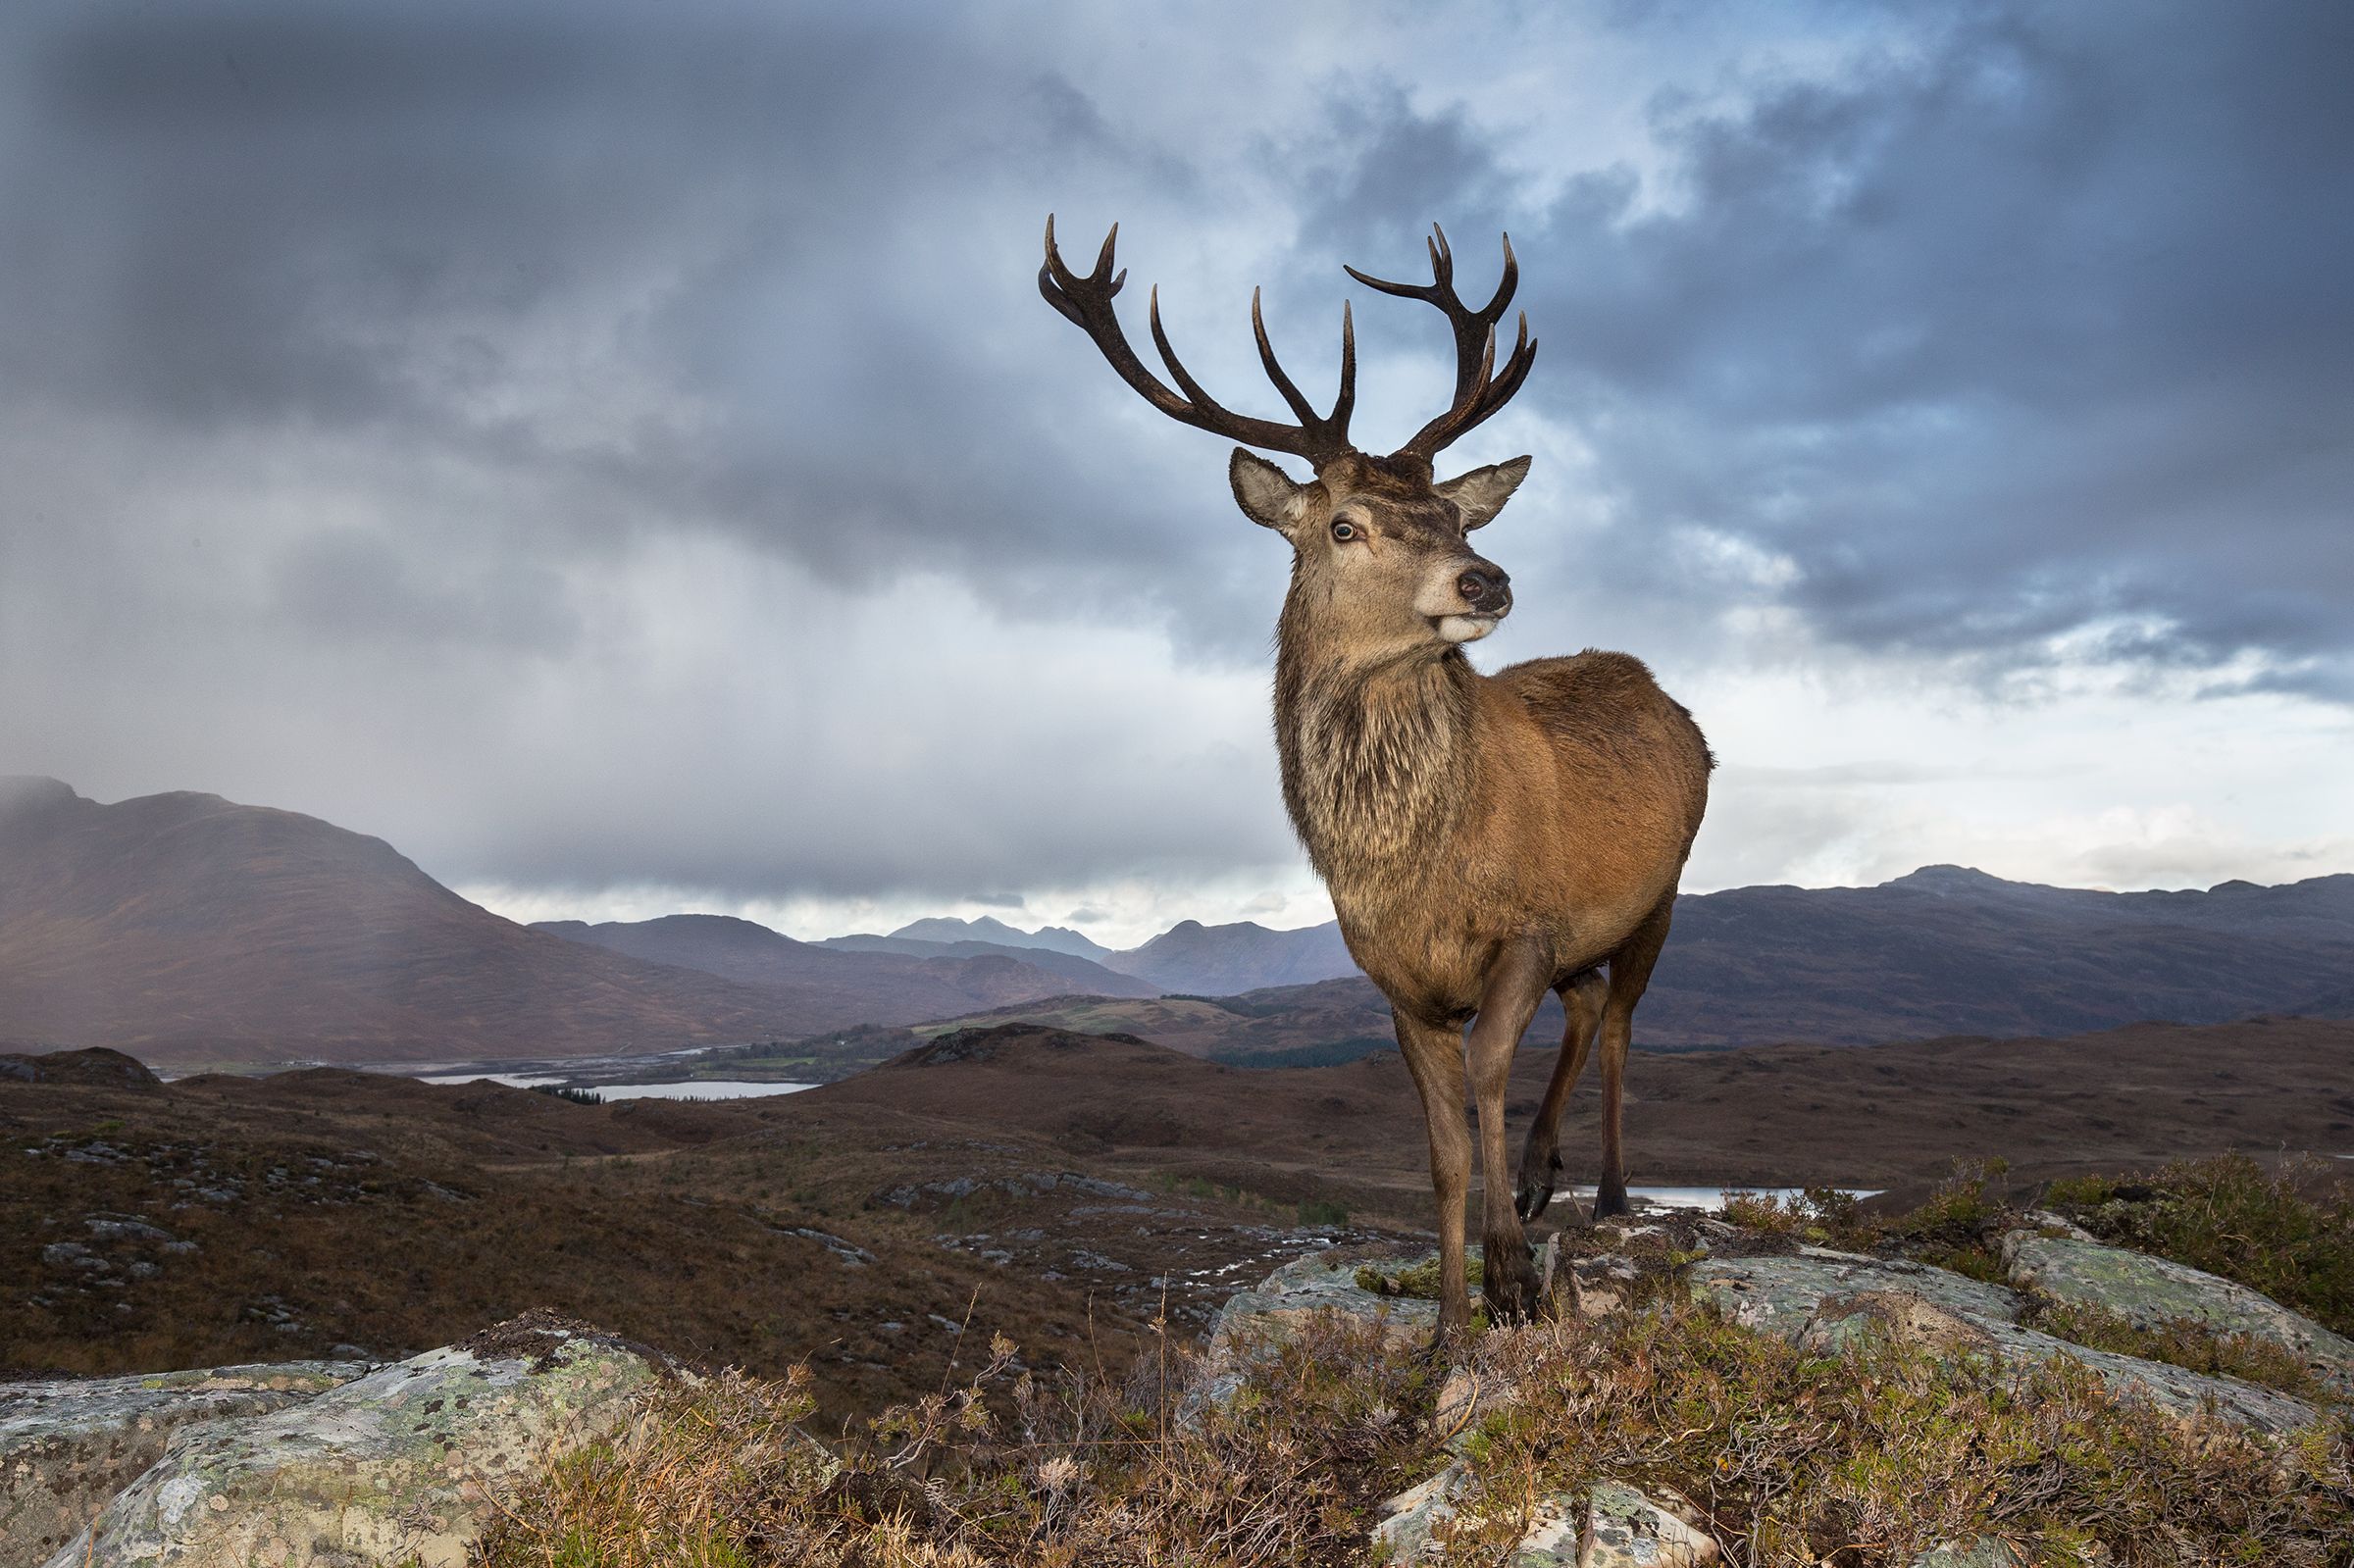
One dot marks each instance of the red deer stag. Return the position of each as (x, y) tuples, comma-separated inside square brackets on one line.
[(1485, 838)]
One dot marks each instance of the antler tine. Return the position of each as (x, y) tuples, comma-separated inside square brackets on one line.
[(1087, 303), (1266, 356), (1476, 396)]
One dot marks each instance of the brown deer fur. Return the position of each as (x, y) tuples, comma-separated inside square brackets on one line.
[(1485, 838)]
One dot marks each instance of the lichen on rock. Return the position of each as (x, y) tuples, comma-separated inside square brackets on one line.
[(69, 1444), (404, 1464)]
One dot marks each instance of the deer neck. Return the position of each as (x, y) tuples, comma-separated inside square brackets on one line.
[(1375, 757)]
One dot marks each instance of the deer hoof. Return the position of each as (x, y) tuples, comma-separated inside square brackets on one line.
[(1512, 1291), (1535, 1193), (1532, 1199), (1610, 1199)]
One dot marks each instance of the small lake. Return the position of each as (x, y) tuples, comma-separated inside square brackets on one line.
[(701, 1089), (511, 1080), (1711, 1198)]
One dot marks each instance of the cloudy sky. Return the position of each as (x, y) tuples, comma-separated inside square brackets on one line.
[(618, 454)]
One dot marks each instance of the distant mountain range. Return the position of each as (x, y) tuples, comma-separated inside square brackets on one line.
[(187, 928), (1188, 957), (1943, 951), (991, 929)]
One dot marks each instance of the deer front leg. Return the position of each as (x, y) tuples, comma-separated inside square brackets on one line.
[(1434, 1055), (1514, 987), (1541, 1157)]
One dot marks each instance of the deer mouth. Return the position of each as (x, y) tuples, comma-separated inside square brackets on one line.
[(1466, 626)]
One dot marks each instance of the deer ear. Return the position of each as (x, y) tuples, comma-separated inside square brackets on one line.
[(1268, 496), (1481, 493)]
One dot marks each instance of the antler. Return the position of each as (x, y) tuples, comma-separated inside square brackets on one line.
[(1086, 301), (1475, 395)]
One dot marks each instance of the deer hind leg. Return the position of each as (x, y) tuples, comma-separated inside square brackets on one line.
[(1434, 1055), (1631, 975), (1581, 996), (1514, 987)]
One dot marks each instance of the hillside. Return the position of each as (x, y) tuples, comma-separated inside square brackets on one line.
[(188, 929), (1042, 1170), (846, 985)]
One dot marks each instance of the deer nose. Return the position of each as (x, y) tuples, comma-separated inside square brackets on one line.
[(1485, 589)]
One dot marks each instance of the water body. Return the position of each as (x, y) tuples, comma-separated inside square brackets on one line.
[(511, 1080), (701, 1089), (1711, 1198)]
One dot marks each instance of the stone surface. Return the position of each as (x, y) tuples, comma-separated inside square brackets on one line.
[(402, 1465), (1283, 1300), (1410, 1518), (1625, 1528), (1825, 1302), (1616, 1527), (1970, 1554), (68, 1445), (2149, 1291), (1781, 1293)]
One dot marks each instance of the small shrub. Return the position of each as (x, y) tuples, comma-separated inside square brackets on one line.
[(1322, 1211)]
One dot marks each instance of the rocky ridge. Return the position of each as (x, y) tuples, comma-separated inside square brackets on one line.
[(306, 1464), (315, 1465), (1825, 1300)]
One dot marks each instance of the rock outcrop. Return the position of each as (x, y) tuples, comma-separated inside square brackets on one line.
[(68, 1445), (1824, 1300), (2149, 1293), (404, 1464)]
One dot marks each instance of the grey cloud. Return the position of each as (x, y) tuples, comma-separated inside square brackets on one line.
[(441, 324), (2038, 329)]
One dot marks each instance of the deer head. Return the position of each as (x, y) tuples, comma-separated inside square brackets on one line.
[(1380, 559)]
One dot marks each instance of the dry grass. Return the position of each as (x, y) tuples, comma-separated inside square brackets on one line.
[(1791, 1458)]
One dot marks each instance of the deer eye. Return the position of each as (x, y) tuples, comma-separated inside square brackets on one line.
[(1343, 531)]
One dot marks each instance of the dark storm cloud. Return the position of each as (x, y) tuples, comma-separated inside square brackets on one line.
[(254, 216), (2036, 332)]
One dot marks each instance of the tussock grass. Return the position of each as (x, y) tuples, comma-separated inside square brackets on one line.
[(1855, 1460), (2182, 1342)]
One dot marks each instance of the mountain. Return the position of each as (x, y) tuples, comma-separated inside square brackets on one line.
[(183, 928), (856, 985), (994, 932), (1081, 976), (1222, 960), (1952, 950), (1945, 950)]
